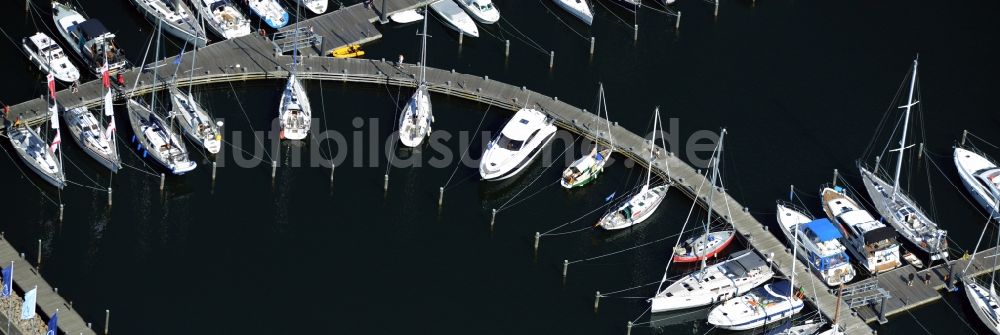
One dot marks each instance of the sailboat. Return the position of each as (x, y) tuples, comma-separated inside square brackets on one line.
[(589, 167), (417, 117), (176, 16), (270, 11), (763, 305), (819, 244), (983, 299), (709, 243), (197, 125), (156, 138), (581, 9), (742, 272), (294, 110), (39, 156), (873, 244), (896, 206), (49, 57), (88, 38), (90, 135), (981, 178), (223, 18), (642, 204), (315, 6)]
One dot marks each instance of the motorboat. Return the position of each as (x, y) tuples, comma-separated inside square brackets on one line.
[(93, 137), (88, 38), (482, 10), (818, 244), (981, 178), (178, 20), (581, 9), (639, 206), (872, 243), (455, 18), (742, 272), (762, 306), (517, 145), (417, 117), (223, 18), (270, 11), (315, 6), (49, 57)]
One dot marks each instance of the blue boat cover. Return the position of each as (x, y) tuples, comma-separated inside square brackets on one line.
[(781, 287), (821, 229)]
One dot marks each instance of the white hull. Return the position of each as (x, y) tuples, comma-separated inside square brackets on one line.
[(179, 22), (968, 163), (517, 145), (315, 6), (714, 284), (984, 302), (482, 10), (66, 19), (415, 121), (789, 219), (223, 18), (158, 140), (455, 18), (50, 58), (34, 152), (196, 124), (915, 227), (270, 11), (408, 16), (839, 207), (642, 205), (581, 9), (92, 137), (294, 112)]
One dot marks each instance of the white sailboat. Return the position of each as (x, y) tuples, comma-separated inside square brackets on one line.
[(742, 272), (156, 138), (981, 178), (581, 9), (195, 122), (455, 18), (519, 142), (871, 242), (983, 296), (315, 6), (896, 206), (417, 117), (709, 243), (223, 17), (92, 137), (88, 38), (482, 10), (586, 169), (38, 155), (49, 57), (294, 110), (643, 203), (762, 306), (176, 16)]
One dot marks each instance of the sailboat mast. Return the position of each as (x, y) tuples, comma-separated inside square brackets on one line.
[(711, 192), (993, 274), (194, 57), (652, 145), (795, 253), (423, 51), (604, 104), (906, 124), (156, 55)]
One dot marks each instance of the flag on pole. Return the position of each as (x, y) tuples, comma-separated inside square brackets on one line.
[(54, 121), (55, 142), (111, 129), (53, 324), (105, 75), (109, 107), (52, 85), (8, 279), (55, 125), (28, 308)]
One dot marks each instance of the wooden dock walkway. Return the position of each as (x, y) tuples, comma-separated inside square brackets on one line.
[(352, 24), (26, 277)]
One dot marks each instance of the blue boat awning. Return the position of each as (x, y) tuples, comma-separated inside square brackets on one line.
[(822, 230)]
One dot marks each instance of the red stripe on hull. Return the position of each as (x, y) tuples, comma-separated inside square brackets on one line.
[(691, 259)]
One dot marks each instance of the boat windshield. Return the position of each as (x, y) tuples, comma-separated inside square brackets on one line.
[(509, 144)]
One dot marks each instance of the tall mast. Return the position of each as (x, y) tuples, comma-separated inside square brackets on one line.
[(156, 55), (194, 57), (423, 51), (711, 192), (906, 124), (295, 46), (652, 141), (603, 104), (795, 252)]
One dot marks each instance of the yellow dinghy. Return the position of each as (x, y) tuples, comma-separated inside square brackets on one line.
[(349, 51)]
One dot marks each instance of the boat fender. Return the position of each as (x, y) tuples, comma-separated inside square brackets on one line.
[(144, 152), (133, 138), (139, 147)]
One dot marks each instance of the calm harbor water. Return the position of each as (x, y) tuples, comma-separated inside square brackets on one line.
[(800, 85)]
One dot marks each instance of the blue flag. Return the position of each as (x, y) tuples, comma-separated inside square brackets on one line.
[(177, 61), (612, 196), (8, 279), (53, 324)]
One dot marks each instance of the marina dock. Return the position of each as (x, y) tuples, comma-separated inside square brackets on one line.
[(26, 277), (254, 58)]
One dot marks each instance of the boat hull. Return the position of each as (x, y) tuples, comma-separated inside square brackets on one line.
[(968, 163), (711, 253), (582, 12), (878, 191), (981, 299), (655, 196), (185, 30), (137, 113), (18, 137), (109, 161)]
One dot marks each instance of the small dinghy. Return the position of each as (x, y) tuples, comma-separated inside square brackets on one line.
[(270, 11), (482, 10), (455, 17), (49, 57), (407, 16), (581, 9), (350, 51), (223, 18)]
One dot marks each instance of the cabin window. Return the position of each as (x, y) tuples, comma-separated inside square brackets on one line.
[(509, 144)]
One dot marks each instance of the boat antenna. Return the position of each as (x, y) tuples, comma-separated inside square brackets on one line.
[(906, 123)]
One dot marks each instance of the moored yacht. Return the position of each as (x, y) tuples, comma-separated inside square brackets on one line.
[(455, 18), (581, 9), (639, 206), (37, 155), (88, 38), (981, 178), (49, 57), (519, 142), (315, 6), (818, 244), (223, 18), (196, 124), (710, 242), (294, 111), (482, 10), (270, 11), (871, 242), (762, 306), (417, 117), (90, 135), (586, 169), (984, 302), (158, 140), (177, 18), (742, 272)]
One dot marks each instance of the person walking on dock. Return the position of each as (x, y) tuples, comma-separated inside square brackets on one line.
[(910, 282)]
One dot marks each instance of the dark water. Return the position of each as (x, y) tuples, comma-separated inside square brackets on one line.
[(800, 85)]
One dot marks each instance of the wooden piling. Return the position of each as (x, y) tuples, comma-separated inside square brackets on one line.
[(552, 58), (635, 34), (964, 134), (214, 166), (107, 318), (677, 24), (109, 197), (163, 179), (385, 183), (38, 260), (716, 8), (565, 268), (460, 36), (493, 219), (506, 48), (597, 300), (332, 169), (920, 152), (628, 328), (440, 196), (592, 40), (274, 169), (538, 236), (836, 175), (62, 207)]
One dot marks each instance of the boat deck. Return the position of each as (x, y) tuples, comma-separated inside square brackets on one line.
[(27, 277)]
